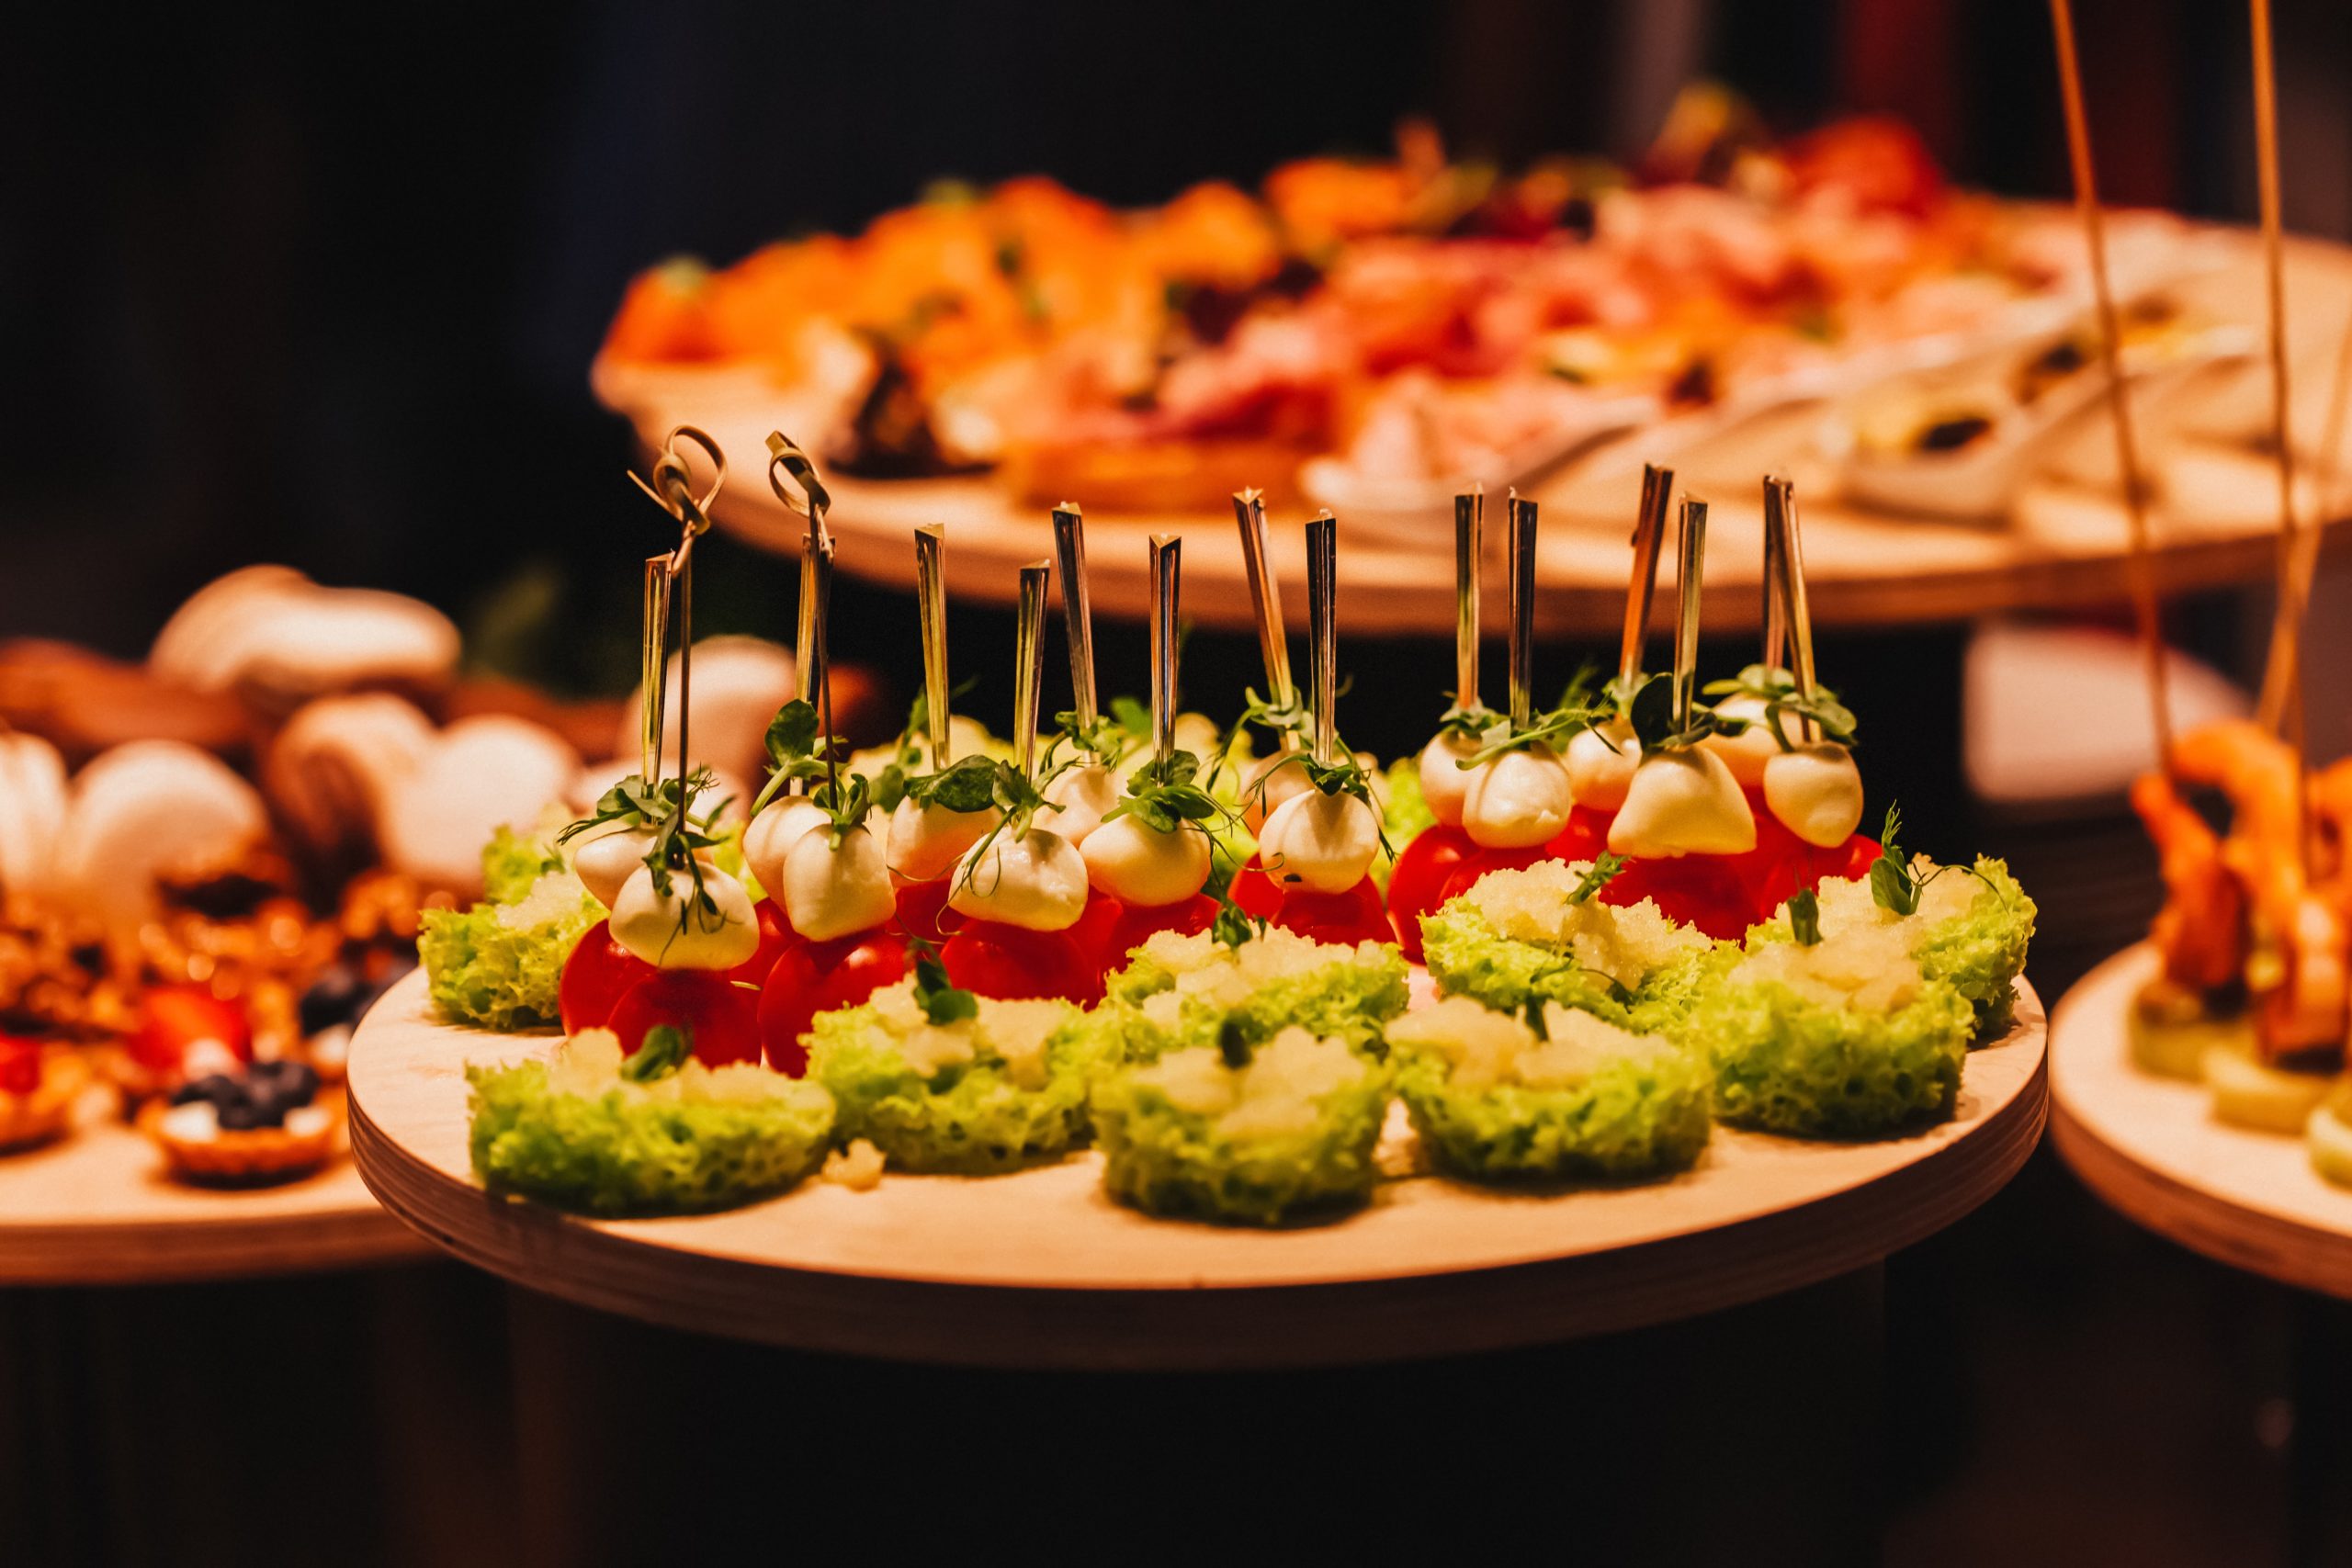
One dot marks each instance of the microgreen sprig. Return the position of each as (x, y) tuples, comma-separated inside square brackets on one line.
[(1578, 708), (678, 834), (940, 1000), (1604, 870), (1166, 797), (1804, 918), (1777, 689)]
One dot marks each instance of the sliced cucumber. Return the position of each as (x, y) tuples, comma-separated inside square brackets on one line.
[(2175, 1046), (2247, 1093), (2331, 1146)]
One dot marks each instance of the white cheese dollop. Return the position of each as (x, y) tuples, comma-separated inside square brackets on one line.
[(1518, 800), (830, 889), (1036, 880), (1445, 783), (1684, 803), (927, 840), (1745, 753), (1601, 764), (1136, 863), (663, 932), (1084, 793), (196, 1122), (772, 834), (1817, 790), (607, 858), (1323, 841)]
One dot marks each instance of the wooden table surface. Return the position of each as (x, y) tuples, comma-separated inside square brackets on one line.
[(97, 1208), (1041, 1269), (2063, 546), (2152, 1148)]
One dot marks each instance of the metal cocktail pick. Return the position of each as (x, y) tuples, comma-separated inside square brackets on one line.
[(1787, 621), (1689, 566), (931, 609), (1322, 630), (1266, 599), (1469, 520), (672, 489), (1649, 532), (1520, 559), (1029, 669), (1166, 570), (793, 477), (1077, 622)]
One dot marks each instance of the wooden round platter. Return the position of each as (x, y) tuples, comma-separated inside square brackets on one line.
[(2152, 1148), (2063, 544), (1041, 1269), (96, 1208)]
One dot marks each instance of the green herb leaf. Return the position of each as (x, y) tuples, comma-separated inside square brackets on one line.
[(1233, 1044), (1804, 917), (1234, 925), (1605, 868), (968, 784), (663, 1051), (939, 998), (1533, 1010), (1893, 887)]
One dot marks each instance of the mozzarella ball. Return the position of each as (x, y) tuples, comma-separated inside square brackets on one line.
[(1445, 783), (1684, 803), (607, 858), (1601, 764), (1323, 842), (927, 840), (1136, 863), (772, 834), (832, 889), (1036, 880), (1817, 790), (1520, 799), (664, 931), (1745, 753), (1084, 793)]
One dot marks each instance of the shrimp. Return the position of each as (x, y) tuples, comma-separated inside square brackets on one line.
[(2255, 769), (2200, 931), (2298, 970)]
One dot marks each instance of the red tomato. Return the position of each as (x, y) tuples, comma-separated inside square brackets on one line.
[(816, 977), (1479, 862), (1254, 893), (721, 1019), (1092, 933), (1778, 864), (775, 935), (1851, 860), (923, 911), (1702, 890), (1585, 837), (1139, 923), (595, 977), (1357, 915), (20, 1064), (989, 958), (1414, 887), (173, 1017)]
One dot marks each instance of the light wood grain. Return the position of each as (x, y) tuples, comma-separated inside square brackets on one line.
[(2150, 1147), (97, 1208), (2064, 546), (1040, 1268)]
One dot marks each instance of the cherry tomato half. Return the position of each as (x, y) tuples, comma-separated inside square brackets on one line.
[(1585, 837), (1357, 915), (721, 1019), (923, 911), (598, 973), (1092, 933), (1416, 887), (989, 958), (174, 1018), (1254, 893), (817, 977), (775, 935), (1139, 923), (1704, 891)]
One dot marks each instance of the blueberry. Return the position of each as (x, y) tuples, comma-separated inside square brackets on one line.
[(244, 1116), (218, 1088), (338, 996)]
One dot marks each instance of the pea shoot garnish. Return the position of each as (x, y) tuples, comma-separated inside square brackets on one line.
[(942, 1002), (1604, 871), (1804, 918)]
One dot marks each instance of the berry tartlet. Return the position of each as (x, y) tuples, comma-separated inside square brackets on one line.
[(261, 1123)]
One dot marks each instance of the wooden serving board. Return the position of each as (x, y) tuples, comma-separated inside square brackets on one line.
[(1041, 1269), (97, 1208), (2063, 546), (2152, 1148)]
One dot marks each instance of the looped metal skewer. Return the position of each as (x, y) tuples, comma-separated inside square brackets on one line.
[(793, 477)]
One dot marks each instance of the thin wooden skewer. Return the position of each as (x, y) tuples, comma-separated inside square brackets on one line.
[(1519, 557), (1649, 533), (1469, 522), (2140, 566), (1167, 580), (931, 609), (2283, 674), (1322, 622)]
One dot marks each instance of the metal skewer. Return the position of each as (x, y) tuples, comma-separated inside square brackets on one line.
[(653, 668), (1469, 521), (1649, 532), (793, 479), (1167, 574), (1689, 566), (1322, 630), (1069, 547), (931, 610), (1266, 600), (1029, 671), (1519, 557), (1792, 616)]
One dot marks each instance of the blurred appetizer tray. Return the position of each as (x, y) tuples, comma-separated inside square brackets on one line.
[(1041, 1269), (96, 1208), (2063, 545), (2152, 1148)]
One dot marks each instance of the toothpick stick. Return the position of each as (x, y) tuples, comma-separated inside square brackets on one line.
[(1266, 599), (1649, 532), (1322, 623), (1688, 567), (1167, 580), (2281, 676), (1077, 622), (1520, 559), (2147, 609), (1029, 671), (1469, 519), (931, 610)]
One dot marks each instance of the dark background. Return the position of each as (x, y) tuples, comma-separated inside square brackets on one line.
[(321, 286)]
